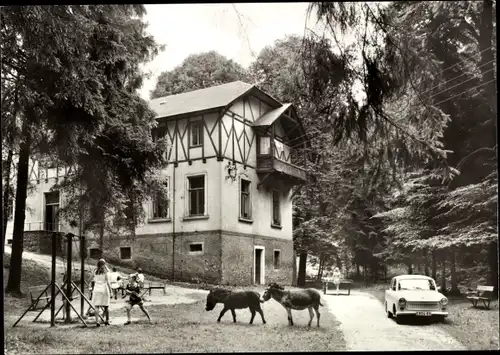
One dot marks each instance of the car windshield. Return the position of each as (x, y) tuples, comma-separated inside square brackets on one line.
[(416, 284)]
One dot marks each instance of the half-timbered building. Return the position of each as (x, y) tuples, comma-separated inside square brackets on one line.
[(233, 159)]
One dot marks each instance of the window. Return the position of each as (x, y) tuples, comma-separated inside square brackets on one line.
[(245, 203), (128, 211), (277, 258), (159, 133), (125, 253), (276, 209), (51, 211), (265, 145), (161, 205), (196, 248), (196, 134), (94, 253), (196, 195), (9, 241)]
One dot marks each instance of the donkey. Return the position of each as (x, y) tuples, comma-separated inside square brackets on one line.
[(235, 300), (298, 300)]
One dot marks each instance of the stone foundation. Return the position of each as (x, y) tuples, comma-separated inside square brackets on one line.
[(238, 259), (227, 257), (41, 242)]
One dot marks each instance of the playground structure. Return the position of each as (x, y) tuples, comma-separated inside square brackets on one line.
[(67, 289)]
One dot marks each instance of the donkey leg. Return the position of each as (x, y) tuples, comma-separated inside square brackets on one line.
[(234, 315), (311, 315), (261, 315), (253, 315), (290, 320), (224, 310), (316, 308)]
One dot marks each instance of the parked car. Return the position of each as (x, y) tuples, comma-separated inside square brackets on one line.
[(414, 295)]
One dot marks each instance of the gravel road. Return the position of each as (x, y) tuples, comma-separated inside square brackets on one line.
[(366, 327)]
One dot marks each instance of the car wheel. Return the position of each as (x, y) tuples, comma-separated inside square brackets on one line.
[(389, 314), (399, 319)]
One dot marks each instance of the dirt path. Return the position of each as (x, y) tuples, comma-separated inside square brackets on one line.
[(366, 327), (173, 294)]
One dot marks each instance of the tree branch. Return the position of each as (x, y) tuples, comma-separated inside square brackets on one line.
[(484, 149)]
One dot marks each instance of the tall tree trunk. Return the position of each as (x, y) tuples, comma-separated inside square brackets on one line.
[(410, 268), (358, 272), (454, 282), (7, 190), (443, 274), (346, 263), (16, 259), (294, 268), (101, 238), (6, 193), (301, 278), (320, 268), (434, 265), (493, 265), (426, 263)]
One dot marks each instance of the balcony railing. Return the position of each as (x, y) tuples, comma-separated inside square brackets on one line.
[(42, 226), (277, 156)]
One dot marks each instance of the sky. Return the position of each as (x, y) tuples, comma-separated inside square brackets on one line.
[(186, 29)]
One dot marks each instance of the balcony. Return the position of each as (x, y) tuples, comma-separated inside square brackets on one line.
[(42, 226), (277, 164)]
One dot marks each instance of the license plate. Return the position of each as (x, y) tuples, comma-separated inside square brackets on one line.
[(425, 314)]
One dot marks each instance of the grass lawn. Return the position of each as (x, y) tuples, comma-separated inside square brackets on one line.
[(477, 329), (175, 328), (32, 275)]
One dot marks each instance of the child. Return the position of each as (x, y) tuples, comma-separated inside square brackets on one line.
[(114, 278), (134, 289)]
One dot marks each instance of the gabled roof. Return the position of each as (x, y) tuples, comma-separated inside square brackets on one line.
[(221, 96), (199, 100), (271, 116)]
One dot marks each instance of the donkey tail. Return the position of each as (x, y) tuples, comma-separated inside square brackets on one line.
[(321, 304)]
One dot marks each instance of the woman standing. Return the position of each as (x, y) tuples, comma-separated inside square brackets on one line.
[(101, 293), (336, 278)]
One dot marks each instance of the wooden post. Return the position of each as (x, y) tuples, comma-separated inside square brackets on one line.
[(53, 281), (69, 238), (82, 256), (82, 268)]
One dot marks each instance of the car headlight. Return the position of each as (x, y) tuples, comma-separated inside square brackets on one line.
[(402, 302), (444, 301)]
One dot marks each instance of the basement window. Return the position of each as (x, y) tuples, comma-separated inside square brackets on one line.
[(125, 253), (94, 253), (196, 248)]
